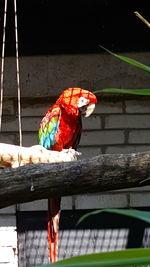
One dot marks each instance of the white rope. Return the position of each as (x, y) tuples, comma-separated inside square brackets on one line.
[(18, 74), (2, 64)]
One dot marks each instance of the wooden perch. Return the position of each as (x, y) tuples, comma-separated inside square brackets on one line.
[(15, 156), (97, 174)]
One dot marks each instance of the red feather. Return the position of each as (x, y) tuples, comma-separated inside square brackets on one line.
[(67, 136)]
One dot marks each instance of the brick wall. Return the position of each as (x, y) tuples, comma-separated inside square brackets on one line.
[(118, 125), (49, 75), (8, 237)]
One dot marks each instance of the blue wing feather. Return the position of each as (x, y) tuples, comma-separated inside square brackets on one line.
[(49, 127)]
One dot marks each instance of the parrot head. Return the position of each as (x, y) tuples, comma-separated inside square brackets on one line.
[(77, 101)]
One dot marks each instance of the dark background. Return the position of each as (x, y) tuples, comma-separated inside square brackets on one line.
[(50, 27)]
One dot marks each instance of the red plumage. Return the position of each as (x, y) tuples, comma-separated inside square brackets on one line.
[(69, 132), (61, 129)]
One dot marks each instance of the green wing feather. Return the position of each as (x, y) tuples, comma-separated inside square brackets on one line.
[(49, 127)]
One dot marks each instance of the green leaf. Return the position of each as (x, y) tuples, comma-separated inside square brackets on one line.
[(124, 91), (145, 180), (137, 214), (129, 257), (129, 60)]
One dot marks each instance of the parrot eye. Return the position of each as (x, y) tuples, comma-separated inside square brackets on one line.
[(82, 102)]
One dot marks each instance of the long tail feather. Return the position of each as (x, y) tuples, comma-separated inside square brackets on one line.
[(53, 227)]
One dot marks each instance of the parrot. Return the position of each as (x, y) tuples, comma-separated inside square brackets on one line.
[(61, 129)]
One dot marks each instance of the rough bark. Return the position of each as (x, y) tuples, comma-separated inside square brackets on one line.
[(97, 174)]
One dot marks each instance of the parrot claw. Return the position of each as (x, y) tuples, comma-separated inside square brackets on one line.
[(72, 152)]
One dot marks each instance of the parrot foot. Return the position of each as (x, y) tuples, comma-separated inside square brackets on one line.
[(72, 153)]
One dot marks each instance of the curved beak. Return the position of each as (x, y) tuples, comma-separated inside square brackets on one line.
[(89, 110)]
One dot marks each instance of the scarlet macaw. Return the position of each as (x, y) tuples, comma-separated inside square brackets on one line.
[(61, 129)]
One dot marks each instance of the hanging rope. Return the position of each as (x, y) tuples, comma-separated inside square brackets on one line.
[(2, 64), (17, 69), (18, 75)]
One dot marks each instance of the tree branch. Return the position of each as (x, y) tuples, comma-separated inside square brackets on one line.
[(97, 174)]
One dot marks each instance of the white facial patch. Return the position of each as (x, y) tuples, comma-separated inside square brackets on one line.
[(89, 110), (82, 102)]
